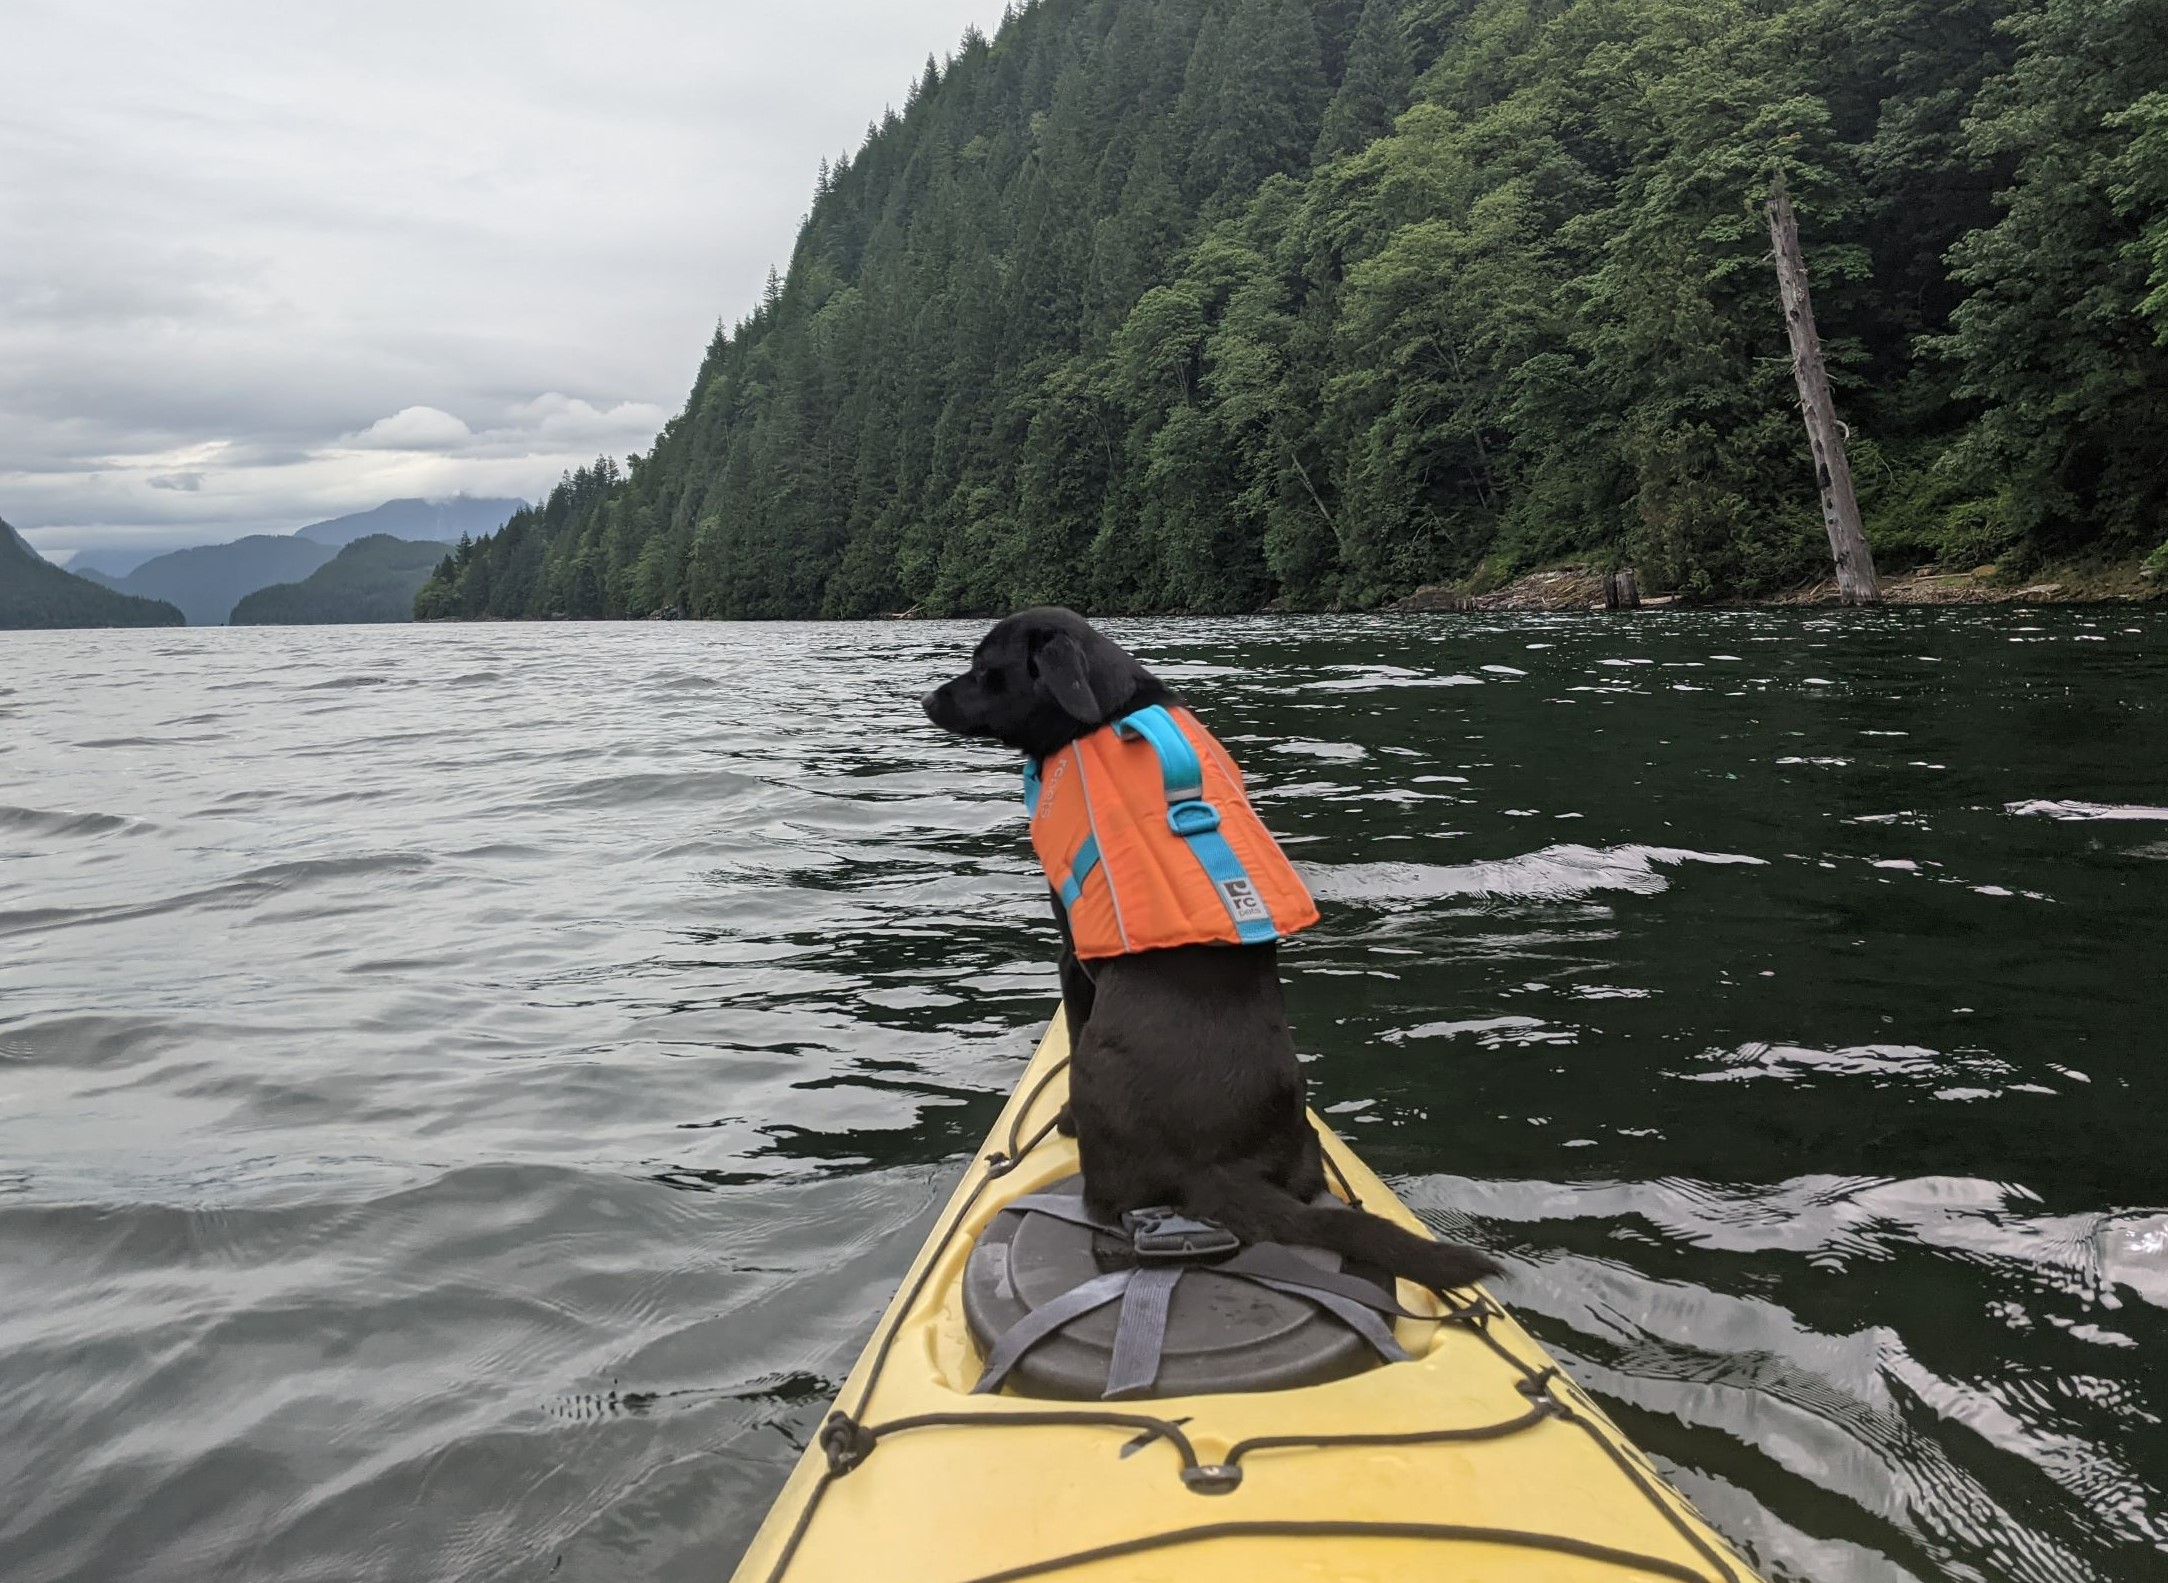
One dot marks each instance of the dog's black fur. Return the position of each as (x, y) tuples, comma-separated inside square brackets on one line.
[(1184, 1087)]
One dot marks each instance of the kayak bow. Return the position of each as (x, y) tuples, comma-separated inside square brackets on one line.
[(1475, 1460)]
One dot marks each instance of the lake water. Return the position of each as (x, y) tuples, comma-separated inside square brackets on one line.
[(465, 1093)]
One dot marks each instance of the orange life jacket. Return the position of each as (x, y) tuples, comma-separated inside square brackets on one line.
[(1148, 838)]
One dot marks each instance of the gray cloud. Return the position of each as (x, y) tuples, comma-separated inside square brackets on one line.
[(269, 263)]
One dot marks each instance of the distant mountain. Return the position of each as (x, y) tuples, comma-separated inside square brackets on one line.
[(109, 565), (207, 581), (35, 593), (372, 579), (435, 521)]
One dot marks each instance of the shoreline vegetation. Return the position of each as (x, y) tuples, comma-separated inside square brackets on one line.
[(1235, 305), (1582, 587)]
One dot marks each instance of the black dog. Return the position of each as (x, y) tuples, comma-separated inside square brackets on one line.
[(1184, 1088)]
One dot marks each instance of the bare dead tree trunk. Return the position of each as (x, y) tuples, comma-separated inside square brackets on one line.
[(1856, 583), (1622, 590)]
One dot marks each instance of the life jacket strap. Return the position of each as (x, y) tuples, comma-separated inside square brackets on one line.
[(1080, 867), (1197, 822), (1179, 767), (1087, 855)]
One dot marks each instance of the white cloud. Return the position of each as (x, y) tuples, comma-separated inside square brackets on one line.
[(414, 429), (544, 429), (569, 420), (312, 258)]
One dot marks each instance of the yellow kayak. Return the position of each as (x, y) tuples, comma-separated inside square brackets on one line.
[(1475, 1460)]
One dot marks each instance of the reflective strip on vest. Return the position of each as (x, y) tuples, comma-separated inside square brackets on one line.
[(1148, 838)]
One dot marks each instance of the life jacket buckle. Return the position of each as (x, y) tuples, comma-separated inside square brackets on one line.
[(1192, 818), (1164, 1235)]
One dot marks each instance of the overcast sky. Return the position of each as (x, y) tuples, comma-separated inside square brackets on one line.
[(262, 264)]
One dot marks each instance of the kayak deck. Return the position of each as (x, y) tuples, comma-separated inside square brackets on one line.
[(1476, 1460)]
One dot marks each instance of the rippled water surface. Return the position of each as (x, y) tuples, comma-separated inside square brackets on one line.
[(465, 1093)]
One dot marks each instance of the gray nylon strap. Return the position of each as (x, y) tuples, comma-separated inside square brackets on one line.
[(1062, 1207), (1142, 1332), (1040, 1323), (1354, 1315), (1146, 1293), (1273, 1261), (1258, 1260)]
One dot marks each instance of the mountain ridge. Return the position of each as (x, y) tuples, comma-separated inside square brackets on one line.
[(416, 520), (205, 581), (1235, 304), (372, 579), (35, 595)]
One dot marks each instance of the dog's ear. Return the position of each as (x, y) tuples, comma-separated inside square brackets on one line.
[(1065, 677)]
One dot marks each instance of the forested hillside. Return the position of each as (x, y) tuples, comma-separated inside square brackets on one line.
[(205, 581), (35, 593), (1207, 304), (373, 579)]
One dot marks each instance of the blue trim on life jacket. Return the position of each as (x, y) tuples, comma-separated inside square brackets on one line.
[(1087, 859), (1197, 822), (1087, 855)]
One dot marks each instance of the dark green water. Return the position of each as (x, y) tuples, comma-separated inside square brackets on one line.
[(464, 1094)]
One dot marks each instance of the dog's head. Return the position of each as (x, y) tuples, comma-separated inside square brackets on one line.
[(1040, 680)]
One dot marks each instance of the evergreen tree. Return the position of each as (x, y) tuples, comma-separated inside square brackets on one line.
[(2060, 334), (1132, 246), (1266, 88), (1375, 86), (1210, 304)]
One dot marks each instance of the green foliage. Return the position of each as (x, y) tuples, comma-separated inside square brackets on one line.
[(1375, 87), (2156, 564), (35, 593), (374, 579), (2061, 334), (1209, 304)]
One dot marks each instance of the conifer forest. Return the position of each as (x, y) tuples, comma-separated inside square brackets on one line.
[(1225, 305)]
